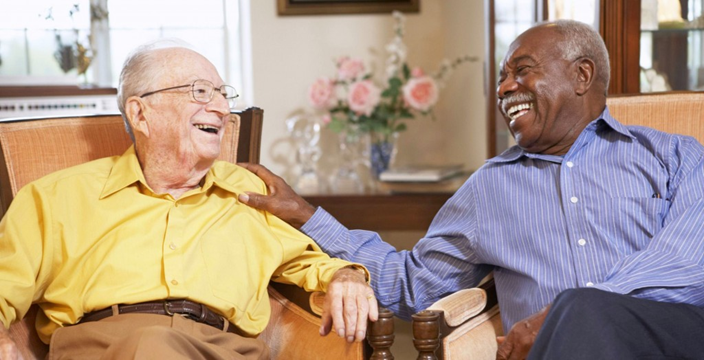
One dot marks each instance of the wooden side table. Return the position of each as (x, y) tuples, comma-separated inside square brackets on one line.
[(383, 211)]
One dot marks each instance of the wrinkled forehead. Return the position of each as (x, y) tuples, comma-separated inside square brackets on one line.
[(181, 65), (534, 43)]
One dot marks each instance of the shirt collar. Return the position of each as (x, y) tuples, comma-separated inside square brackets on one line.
[(603, 122), (124, 173), (128, 171)]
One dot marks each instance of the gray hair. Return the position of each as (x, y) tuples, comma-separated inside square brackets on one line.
[(139, 71), (582, 40)]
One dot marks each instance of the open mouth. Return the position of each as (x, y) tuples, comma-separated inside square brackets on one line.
[(207, 128), (516, 111)]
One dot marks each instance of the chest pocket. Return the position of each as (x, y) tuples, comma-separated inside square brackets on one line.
[(630, 222)]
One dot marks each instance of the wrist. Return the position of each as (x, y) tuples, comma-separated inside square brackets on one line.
[(357, 270)]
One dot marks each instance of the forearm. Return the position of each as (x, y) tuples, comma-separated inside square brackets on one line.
[(404, 282), (671, 267)]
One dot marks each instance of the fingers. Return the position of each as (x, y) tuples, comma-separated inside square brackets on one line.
[(326, 323), (349, 303), (261, 171), (361, 321), (254, 200), (338, 318), (373, 308), (504, 350)]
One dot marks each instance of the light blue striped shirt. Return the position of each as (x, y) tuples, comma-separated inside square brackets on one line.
[(623, 211)]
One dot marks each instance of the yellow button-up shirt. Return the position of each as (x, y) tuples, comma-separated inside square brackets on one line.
[(94, 235)]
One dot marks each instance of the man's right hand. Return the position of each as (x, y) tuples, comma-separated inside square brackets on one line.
[(282, 201), (8, 348)]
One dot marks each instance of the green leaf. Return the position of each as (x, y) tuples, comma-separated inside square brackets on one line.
[(406, 71), (395, 82), (400, 127), (336, 125), (405, 114)]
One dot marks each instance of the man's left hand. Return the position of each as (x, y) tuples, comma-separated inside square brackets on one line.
[(348, 303), (520, 338)]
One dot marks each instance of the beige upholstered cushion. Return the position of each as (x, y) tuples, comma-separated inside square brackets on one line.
[(677, 113), (478, 334)]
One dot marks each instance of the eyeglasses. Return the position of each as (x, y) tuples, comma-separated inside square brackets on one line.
[(202, 91)]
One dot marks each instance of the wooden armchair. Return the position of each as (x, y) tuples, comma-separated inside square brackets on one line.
[(32, 148), (456, 327)]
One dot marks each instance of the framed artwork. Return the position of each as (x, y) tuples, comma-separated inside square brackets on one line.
[(326, 7)]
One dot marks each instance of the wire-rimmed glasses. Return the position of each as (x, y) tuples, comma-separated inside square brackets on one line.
[(203, 90)]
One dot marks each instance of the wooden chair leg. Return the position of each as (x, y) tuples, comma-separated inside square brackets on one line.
[(380, 335), (426, 334)]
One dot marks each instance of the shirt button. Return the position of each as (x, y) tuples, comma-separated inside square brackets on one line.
[(570, 164), (590, 284), (574, 199), (172, 246), (175, 282), (582, 242)]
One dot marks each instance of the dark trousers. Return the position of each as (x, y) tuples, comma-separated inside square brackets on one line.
[(592, 324)]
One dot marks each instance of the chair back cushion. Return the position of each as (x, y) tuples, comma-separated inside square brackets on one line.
[(677, 113), (37, 147)]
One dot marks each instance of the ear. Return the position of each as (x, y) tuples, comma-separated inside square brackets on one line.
[(136, 109), (586, 71)]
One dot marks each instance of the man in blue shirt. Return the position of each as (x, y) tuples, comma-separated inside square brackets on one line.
[(593, 229)]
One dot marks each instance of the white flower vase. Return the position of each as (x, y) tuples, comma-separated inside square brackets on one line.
[(382, 152), (346, 180)]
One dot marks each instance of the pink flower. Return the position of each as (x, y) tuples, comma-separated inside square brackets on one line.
[(421, 93), (326, 119), (363, 97), (417, 72), (349, 69), (321, 93)]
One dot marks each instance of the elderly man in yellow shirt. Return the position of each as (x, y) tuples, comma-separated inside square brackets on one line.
[(100, 246)]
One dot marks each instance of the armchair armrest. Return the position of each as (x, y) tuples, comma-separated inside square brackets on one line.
[(466, 322), (295, 320)]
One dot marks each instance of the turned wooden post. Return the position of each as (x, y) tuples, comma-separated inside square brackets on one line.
[(426, 334), (380, 335)]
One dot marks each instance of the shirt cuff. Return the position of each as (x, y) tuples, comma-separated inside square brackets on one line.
[(363, 270), (323, 228)]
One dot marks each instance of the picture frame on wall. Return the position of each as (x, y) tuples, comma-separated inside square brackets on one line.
[(328, 7)]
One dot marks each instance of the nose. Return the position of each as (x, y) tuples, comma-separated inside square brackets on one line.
[(218, 104), (508, 86)]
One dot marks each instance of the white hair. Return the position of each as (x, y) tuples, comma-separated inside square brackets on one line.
[(138, 72), (582, 40)]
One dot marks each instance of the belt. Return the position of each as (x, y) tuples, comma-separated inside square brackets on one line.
[(189, 309)]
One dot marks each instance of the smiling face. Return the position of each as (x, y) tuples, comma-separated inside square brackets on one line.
[(538, 93), (175, 126)]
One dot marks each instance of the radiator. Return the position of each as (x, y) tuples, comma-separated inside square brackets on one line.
[(63, 105)]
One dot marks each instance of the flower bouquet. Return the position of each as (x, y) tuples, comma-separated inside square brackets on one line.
[(351, 101)]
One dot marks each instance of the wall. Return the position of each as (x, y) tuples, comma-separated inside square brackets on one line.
[(290, 52)]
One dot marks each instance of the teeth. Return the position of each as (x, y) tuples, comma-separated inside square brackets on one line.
[(513, 111), (207, 128)]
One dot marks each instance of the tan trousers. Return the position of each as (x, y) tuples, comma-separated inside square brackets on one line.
[(148, 336)]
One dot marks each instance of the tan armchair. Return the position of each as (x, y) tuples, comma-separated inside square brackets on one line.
[(35, 147), (464, 325)]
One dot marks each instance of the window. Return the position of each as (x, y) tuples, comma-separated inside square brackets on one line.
[(39, 40), (35, 36)]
